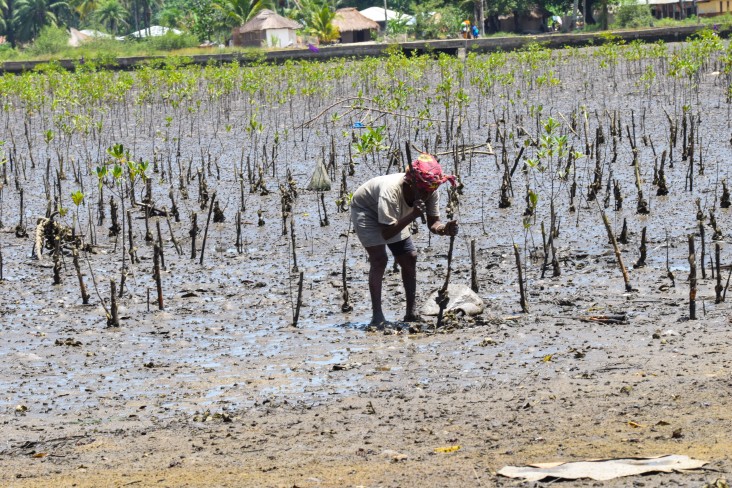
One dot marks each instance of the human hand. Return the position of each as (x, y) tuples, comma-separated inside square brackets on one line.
[(451, 228)]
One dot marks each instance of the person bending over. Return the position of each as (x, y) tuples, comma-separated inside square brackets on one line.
[(381, 211)]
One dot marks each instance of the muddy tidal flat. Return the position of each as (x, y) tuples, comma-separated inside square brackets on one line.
[(195, 356)]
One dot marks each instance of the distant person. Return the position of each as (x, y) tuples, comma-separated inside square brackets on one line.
[(465, 29), (476, 32), (556, 23), (382, 210)]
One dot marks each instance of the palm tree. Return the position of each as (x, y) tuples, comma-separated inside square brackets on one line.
[(3, 8), (240, 12), (85, 7), (111, 14), (32, 15), (321, 25)]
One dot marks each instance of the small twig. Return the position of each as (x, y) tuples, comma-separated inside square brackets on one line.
[(395, 114), (307, 123), (569, 126)]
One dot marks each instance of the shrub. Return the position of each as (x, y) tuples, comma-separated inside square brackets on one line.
[(171, 42), (633, 15), (7, 52), (51, 40)]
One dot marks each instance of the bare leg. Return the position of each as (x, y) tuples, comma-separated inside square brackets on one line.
[(378, 261), (408, 263)]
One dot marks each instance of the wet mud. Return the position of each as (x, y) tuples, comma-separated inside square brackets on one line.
[(219, 389)]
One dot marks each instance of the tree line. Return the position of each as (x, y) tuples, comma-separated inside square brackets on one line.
[(23, 20)]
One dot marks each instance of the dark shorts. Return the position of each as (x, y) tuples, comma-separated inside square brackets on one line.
[(402, 247)]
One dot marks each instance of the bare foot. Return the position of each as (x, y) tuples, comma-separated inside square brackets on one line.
[(413, 317), (377, 321)]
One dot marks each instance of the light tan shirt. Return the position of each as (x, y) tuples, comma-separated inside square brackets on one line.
[(380, 201)]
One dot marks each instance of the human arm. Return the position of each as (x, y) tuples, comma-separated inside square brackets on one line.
[(389, 231)]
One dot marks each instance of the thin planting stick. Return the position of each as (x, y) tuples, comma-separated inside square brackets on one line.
[(619, 258), (522, 291), (205, 231), (692, 279), (442, 297)]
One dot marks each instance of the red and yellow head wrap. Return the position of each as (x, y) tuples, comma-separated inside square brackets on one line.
[(426, 173)]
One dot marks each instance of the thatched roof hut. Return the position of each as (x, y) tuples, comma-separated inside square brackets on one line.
[(353, 26), (266, 28)]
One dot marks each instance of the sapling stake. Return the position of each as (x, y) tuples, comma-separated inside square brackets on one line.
[(662, 187), (669, 274), (522, 290), (114, 229), (298, 305), (20, 230), (57, 261), (148, 234), (205, 231), (294, 244), (113, 317), (623, 237), (157, 254), (346, 307), (218, 214), (717, 235), (133, 250), (193, 233), (545, 249), (642, 259), (642, 205), (692, 279), (84, 294), (717, 289), (174, 208), (239, 245), (160, 244), (618, 196), (324, 222), (442, 296), (724, 201), (703, 250), (473, 268), (172, 235), (619, 258)]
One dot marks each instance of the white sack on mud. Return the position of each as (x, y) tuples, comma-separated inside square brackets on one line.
[(461, 298), (602, 470)]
